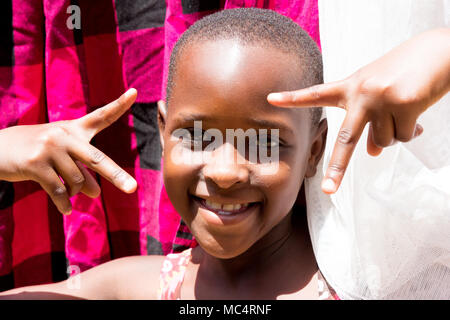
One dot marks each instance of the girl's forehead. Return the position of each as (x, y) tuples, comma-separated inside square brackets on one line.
[(226, 83), (232, 64), (230, 73)]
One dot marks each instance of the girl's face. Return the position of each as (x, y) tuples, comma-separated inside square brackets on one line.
[(229, 200)]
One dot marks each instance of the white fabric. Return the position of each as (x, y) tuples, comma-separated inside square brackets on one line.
[(386, 233)]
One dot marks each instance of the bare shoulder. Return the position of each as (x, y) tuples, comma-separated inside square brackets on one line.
[(137, 277), (132, 278)]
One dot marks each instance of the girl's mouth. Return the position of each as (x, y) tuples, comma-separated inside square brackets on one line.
[(225, 209), (225, 213)]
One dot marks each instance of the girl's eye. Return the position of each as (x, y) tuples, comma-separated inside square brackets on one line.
[(197, 140), (268, 144), (268, 141), (194, 138)]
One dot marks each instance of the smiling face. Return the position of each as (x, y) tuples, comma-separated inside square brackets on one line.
[(230, 205)]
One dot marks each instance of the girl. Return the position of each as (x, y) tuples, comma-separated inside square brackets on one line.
[(253, 238)]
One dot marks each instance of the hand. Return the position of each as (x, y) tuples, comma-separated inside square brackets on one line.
[(46, 152), (389, 93)]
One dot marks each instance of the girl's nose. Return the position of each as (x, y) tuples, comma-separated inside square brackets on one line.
[(226, 167)]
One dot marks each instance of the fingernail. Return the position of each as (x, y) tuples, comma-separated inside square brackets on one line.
[(328, 186), (131, 91), (418, 130), (129, 185), (275, 97)]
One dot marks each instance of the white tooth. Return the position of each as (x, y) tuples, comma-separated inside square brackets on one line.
[(208, 203), (228, 207), (237, 207), (216, 205)]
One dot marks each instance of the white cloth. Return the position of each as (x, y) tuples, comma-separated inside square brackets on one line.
[(386, 233)]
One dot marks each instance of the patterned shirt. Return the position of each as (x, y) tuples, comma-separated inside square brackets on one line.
[(174, 269)]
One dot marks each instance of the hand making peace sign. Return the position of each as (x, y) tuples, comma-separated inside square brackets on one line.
[(46, 152), (389, 93)]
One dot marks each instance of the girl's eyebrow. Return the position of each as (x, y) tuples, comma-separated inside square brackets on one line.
[(260, 123), (271, 124), (184, 116)]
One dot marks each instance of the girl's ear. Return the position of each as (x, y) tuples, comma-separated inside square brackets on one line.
[(317, 148), (162, 115)]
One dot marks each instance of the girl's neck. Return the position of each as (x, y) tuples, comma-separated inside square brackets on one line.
[(267, 263)]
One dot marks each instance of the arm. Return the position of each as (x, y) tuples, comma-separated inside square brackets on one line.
[(46, 152), (125, 278), (390, 93)]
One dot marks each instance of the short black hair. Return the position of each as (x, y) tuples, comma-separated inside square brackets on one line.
[(254, 26)]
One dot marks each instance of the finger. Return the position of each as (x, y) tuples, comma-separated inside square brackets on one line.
[(52, 184), (328, 94), (346, 141), (374, 150), (372, 147), (103, 117), (71, 174), (103, 165), (405, 128), (417, 131), (381, 133), (90, 187)]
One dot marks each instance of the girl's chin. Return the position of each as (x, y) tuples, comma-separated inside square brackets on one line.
[(222, 247)]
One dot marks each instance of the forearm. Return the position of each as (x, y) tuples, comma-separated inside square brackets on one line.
[(439, 42), (442, 36), (429, 55), (55, 291)]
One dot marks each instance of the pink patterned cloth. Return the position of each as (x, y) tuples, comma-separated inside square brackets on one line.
[(174, 269), (51, 72), (172, 275)]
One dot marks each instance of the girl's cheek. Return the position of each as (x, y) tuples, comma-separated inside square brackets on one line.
[(181, 151), (284, 180), (180, 164)]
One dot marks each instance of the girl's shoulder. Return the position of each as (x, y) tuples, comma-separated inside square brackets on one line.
[(154, 277), (137, 277)]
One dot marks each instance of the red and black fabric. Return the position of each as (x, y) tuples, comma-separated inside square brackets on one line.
[(51, 72)]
